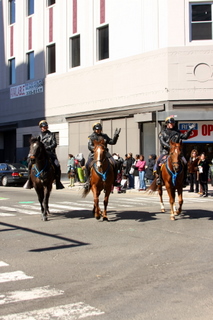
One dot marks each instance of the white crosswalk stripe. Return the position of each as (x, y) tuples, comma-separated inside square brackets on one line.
[(81, 205), (13, 276), (72, 311), (30, 294)]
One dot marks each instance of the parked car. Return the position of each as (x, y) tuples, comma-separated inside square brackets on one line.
[(13, 174)]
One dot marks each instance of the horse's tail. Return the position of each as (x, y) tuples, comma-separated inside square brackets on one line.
[(153, 187), (85, 192)]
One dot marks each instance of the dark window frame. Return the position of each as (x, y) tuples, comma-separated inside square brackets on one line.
[(50, 2), (30, 65), (75, 51), (26, 140), (12, 71), (12, 11), (201, 21), (103, 42), (51, 58)]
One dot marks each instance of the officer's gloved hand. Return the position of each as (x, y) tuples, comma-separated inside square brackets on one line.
[(192, 126), (117, 131)]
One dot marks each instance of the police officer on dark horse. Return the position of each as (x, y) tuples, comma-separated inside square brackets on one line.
[(171, 133), (98, 135), (50, 144)]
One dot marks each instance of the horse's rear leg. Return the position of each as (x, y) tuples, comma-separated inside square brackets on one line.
[(40, 193), (160, 192), (46, 203)]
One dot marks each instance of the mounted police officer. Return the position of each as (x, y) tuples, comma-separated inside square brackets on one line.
[(50, 144), (171, 133), (98, 135)]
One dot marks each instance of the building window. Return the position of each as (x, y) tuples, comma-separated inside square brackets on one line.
[(12, 11), (56, 137), (30, 65), (75, 51), (103, 42), (201, 21), (26, 140), (51, 59), (50, 2), (30, 7), (12, 70)]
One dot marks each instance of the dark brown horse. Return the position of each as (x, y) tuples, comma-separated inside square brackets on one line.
[(172, 176), (42, 174), (101, 178)]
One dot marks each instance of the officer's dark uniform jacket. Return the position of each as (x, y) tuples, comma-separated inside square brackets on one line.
[(49, 141), (98, 137), (174, 135)]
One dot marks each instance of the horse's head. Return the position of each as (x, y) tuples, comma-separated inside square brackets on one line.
[(175, 155), (99, 152), (36, 149)]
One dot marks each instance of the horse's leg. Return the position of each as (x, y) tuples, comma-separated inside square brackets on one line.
[(180, 200), (171, 194), (40, 193), (46, 203), (96, 209), (106, 199), (160, 192)]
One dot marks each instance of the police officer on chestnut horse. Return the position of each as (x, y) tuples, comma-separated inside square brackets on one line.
[(98, 135), (50, 144), (175, 135)]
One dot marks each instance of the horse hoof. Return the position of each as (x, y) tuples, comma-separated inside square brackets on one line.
[(97, 217), (163, 210), (45, 218), (172, 218), (105, 219)]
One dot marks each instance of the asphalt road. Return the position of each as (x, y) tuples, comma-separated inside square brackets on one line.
[(139, 265)]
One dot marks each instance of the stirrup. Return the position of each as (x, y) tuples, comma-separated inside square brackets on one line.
[(28, 184)]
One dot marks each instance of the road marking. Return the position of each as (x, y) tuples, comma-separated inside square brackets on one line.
[(72, 311), (34, 293), (13, 276), (4, 214), (7, 208), (66, 207), (3, 264), (4, 198)]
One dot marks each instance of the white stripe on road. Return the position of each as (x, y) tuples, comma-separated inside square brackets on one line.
[(72, 311), (34, 293), (3, 264), (4, 214), (66, 207), (13, 276), (7, 208)]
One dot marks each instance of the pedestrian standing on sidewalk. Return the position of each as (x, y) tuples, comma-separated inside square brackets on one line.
[(193, 171), (203, 168), (141, 165)]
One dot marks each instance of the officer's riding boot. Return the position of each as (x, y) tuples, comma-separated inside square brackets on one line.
[(58, 183), (28, 184), (185, 176), (87, 175)]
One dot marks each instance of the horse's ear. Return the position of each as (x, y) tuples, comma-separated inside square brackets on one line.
[(171, 143)]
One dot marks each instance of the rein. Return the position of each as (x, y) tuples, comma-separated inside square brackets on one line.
[(173, 174)]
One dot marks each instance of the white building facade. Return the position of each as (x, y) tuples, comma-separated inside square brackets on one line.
[(124, 63)]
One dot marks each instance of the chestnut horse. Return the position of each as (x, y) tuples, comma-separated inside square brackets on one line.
[(172, 174), (101, 178), (42, 174)]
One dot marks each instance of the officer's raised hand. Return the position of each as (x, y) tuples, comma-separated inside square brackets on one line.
[(192, 126), (117, 131)]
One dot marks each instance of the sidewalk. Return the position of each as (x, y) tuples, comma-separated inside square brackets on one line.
[(79, 186)]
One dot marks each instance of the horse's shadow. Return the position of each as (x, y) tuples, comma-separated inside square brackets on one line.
[(196, 214), (113, 216)]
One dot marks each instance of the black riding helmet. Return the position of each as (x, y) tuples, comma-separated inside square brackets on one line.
[(97, 126), (170, 119), (43, 123)]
